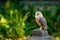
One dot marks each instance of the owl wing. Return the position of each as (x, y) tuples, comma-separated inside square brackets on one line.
[(42, 20)]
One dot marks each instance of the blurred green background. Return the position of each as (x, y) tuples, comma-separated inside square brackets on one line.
[(17, 18)]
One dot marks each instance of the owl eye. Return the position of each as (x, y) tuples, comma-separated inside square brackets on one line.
[(37, 14)]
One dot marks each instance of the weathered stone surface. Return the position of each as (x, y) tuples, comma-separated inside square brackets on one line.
[(40, 38), (38, 34)]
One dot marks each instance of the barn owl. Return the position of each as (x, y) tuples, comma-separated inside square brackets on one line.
[(40, 20)]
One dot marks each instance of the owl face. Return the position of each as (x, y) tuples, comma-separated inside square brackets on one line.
[(38, 14)]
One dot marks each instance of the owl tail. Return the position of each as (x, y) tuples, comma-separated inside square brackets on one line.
[(46, 27)]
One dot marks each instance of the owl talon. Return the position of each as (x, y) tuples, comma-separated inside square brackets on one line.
[(41, 28)]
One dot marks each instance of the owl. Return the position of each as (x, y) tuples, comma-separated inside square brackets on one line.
[(40, 20)]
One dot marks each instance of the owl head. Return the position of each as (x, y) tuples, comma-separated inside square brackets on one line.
[(38, 14)]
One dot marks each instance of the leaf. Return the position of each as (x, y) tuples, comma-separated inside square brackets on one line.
[(26, 16)]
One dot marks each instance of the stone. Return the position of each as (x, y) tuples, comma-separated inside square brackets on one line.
[(40, 38), (38, 34)]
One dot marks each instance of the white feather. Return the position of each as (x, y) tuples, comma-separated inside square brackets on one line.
[(40, 14)]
